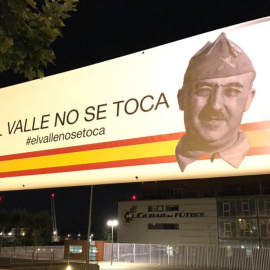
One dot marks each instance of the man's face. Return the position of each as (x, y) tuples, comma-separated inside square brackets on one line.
[(213, 108)]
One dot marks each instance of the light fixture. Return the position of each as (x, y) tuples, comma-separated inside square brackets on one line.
[(112, 223)]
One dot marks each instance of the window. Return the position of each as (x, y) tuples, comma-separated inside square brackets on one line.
[(233, 243), (245, 208), (264, 206), (227, 230), (75, 249), (265, 227), (230, 228), (267, 206), (163, 226), (171, 208), (219, 208), (248, 227), (247, 230), (226, 209), (234, 228), (162, 208), (178, 192), (152, 208), (242, 228)]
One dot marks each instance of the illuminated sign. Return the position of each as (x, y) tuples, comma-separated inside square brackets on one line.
[(122, 121), (130, 216)]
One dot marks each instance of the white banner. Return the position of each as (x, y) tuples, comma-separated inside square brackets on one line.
[(119, 121)]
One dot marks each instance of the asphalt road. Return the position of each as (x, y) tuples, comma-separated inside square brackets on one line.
[(16, 264), (142, 266)]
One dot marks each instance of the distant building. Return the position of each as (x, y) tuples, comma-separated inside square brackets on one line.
[(169, 222), (18, 232), (77, 250), (244, 221), (220, 212)]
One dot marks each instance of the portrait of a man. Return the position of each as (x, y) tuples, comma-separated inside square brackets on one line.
[(217, 90)]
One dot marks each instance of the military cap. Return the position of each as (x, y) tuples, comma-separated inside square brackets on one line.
[(219, 59)]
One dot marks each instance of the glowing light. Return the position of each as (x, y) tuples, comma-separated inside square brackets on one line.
[(112, 223)]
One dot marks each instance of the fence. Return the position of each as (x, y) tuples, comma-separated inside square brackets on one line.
[(33, 253), (199, 256)]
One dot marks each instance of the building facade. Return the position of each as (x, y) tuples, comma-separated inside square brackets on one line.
[(77, 250), (239, 221), (169, 222), (244, 221)]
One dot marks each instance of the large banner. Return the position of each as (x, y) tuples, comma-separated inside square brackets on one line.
[(195, 108)]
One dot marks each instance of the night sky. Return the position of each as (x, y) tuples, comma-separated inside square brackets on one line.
[(105, 29), (72, 204)]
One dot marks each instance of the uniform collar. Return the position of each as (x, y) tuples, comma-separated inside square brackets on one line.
[(233, 155)]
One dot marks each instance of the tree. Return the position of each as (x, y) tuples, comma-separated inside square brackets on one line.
[(4, 221), (103, 233), (19, 220), (30, 228), (41, 227), (27, 30)]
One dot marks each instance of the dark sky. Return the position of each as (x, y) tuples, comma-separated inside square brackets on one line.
[(105, 29), (72, 204)]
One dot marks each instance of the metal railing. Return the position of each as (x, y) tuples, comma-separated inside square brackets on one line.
[(193, 256), (50, 253)]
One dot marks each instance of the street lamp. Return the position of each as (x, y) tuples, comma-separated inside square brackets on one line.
[(112, 223), (90, 248)]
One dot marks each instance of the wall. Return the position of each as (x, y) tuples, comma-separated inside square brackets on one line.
[(83, 243), (75, 256), (194, 223), (100, 248)]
